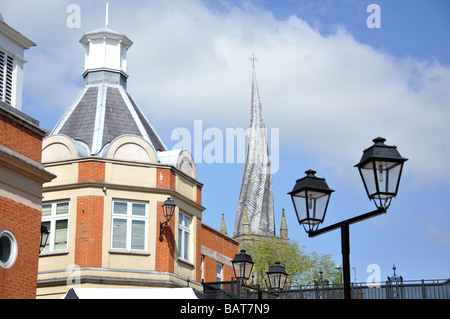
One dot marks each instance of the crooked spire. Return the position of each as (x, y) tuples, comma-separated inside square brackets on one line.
[(256, 197)]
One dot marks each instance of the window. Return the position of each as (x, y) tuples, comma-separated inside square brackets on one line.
[(219, 272), (55, 216), (202, 268), (8, 249), (184, 232), (129, 226)]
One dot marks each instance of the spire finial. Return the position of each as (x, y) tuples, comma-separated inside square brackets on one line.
[(253, 59), (106, 16)]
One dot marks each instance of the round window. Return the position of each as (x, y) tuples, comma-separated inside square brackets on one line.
[(8, 249)]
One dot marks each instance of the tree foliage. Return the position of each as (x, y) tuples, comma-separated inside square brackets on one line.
[(303, 268)]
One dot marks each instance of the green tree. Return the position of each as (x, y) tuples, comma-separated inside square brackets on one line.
[(303, 268)]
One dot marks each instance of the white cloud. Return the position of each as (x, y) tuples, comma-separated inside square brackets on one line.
[(329, 95)]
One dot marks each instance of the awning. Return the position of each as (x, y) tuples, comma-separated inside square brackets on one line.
[(124, 293)]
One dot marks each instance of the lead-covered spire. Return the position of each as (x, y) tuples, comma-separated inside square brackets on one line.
[(256, 195)]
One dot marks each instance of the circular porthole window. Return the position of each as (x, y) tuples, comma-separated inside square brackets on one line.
[(8, 249)]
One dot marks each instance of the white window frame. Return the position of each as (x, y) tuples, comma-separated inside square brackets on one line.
[(202, 268), (129, 218), (184, 231), (53, 218)]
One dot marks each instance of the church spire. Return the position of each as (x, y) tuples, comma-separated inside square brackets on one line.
[(223, 227), (256, 190)]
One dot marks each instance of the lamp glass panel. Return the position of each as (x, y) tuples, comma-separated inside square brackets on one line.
[(299, 200), (388, 174), (274, 280), (368, 177), (242, 269), (317, 203)]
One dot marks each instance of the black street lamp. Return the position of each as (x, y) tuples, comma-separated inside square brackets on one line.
[(395, 283), (44, 237), (242, 265), (168, 209), (277, 277), (380, 168), (310, 197)]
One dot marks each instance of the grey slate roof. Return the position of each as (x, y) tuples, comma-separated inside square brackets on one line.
[(103, 113)]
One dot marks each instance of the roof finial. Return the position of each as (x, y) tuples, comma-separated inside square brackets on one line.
[(106, 16), (253, 59)]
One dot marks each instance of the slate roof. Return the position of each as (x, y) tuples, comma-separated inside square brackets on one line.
[(102, 113)]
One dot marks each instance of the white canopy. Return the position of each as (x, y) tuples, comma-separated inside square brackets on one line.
[(124, 293)]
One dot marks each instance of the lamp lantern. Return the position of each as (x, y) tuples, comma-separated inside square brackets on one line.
[(44, 237), (242, 265), (310, 197), (277, 277), (380, 168)]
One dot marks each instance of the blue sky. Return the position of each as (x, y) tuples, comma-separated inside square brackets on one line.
[(327, 82)]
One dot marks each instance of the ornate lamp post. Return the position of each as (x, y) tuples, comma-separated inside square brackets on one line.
[(310, 197), (44, 237), (395, 283), (168, 209), (380, 168), (242, 265), (277, 277)]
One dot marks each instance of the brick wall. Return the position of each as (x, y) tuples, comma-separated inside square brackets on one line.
[(91, 171), (165, 178), (20, 139), (89, 231), (198, 270), (199, 195), (222, 244), (165, 250), (24, 223)]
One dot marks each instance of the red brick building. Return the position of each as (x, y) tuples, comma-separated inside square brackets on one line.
[(104, 209), (21, 175)]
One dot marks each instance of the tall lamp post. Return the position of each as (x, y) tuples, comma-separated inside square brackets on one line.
[(380, 168)]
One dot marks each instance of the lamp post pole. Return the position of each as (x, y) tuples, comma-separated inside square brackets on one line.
[(345, 243)]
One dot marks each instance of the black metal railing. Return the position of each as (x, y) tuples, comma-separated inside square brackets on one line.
[(415, 289)]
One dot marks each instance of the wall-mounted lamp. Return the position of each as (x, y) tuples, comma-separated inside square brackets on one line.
[(44, 237), (168, 209)]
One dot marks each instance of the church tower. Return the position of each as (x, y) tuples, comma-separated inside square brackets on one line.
[(255, 214)]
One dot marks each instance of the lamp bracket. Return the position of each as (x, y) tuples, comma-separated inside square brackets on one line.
[(350, 221)]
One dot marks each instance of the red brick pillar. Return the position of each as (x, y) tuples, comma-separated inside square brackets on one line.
[(165, 250), (165, 178), (91, 171), (89, 231)]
